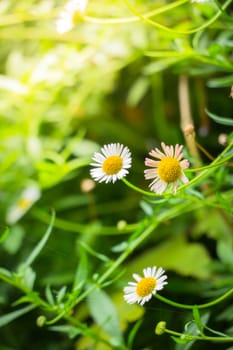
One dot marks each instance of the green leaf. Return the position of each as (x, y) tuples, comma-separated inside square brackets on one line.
[(5, 319), (91, 251), (36, 251), (14, 241), (70, 330), (61, 294), (160, 65), (190, 328), (5, 272), (197, 318), (31, 297), (221, 82), (226, 204), (220, 120), (4, 235), (225, 252), (216, 332), (180, 340), (104, 313), (147, 208), (133, 333), (226, 315), (49, 295), (175, 254), (82, 269), (29, 277), (137, 91)]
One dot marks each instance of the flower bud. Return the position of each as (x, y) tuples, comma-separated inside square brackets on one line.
[(41, 321), (160, 328)]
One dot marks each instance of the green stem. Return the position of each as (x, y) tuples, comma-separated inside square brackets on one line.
[(87, 330), (190, 307), (111, 269), (137, 189), (199, 177), (195, 337), (79, 228), (149, 14), (211, 165), (147, 20), (206, 172), (167, 29)]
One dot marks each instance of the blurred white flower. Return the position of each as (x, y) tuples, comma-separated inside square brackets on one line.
[(28, 197), (69, 16)]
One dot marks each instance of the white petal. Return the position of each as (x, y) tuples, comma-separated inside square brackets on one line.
[(137, 277)]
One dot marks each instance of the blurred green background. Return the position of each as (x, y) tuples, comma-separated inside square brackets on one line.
[(114, 77)]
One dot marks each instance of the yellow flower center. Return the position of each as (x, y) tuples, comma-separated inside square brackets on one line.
[(112, 165), (145, 286), (76, 15), (169, 169), (23, 203)]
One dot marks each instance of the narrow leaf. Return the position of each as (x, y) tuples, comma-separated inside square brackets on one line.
[(197, 318), (70, 330), (36, 251), (61, 294), (221, 82), (220, 120), (82, 269), (180, 340), (5, 272), (91, 251), (133, 333), (5, 319), (137, 91), (4, 235), (49, 295), (216, 332)]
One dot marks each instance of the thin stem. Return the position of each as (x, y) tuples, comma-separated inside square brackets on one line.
[(195, 337), (214, 164), (201, 306), (147, 20), (79, 228), (149, 14), (211, 165), (186, 120), (167, 29), (87, 330), (137, 189), (206, 172)]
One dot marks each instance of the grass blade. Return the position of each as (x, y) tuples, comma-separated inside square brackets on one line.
[(36, 251)]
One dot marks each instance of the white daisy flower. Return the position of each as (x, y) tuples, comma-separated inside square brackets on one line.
[(28, 197), (70, 15), (168, 169), (111, 163), (145, 287)]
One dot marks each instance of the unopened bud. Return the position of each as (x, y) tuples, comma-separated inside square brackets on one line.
[(87, 185), (41, 321), (121, 224), (189, 130), (160, 328), (222, 139)]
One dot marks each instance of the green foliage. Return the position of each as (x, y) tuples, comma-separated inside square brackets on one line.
[(138, 73)]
